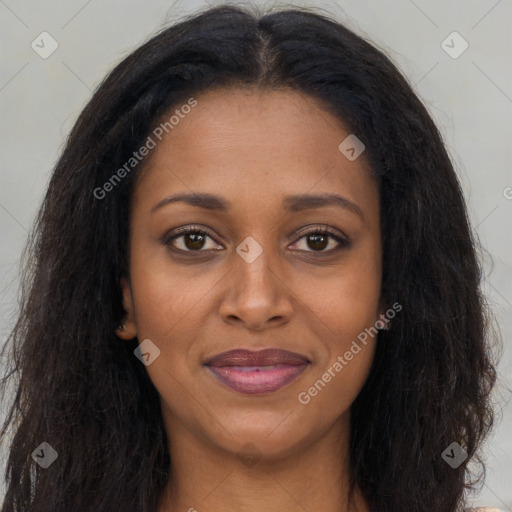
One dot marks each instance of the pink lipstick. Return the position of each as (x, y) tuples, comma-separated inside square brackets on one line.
[(259, 372)]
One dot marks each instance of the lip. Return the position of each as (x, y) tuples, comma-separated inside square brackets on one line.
[(265, 357), (259, 372)]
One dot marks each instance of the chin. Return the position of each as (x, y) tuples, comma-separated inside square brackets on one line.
[(267, 435)]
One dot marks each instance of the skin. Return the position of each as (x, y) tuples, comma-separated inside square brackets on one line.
[(253, 148)]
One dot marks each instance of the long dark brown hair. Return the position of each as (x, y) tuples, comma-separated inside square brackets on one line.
[(80, 389)]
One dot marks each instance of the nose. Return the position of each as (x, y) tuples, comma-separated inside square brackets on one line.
[(256, 294)]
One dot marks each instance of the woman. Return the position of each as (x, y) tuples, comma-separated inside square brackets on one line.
[(327, 351)]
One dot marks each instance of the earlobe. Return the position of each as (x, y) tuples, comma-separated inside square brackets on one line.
[(127, 329), (123, 333), (383, 323)]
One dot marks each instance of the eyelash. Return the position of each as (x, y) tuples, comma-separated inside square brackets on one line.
[(324, 230)]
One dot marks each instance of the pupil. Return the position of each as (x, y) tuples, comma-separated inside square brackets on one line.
[(316, 238), (196, 240)]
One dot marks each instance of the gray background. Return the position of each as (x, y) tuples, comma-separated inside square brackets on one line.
[(470, 98)]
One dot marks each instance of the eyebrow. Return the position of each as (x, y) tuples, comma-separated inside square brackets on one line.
[(292, 203)]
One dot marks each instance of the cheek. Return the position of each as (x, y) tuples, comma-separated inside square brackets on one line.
[(347, 299), (347, 310), (347, 304), (167, 297), (167, 309), (336, 386)]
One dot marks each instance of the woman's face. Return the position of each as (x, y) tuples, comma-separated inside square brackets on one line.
[(259, 278)]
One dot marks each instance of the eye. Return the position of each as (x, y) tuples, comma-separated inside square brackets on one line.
[(192, 239), (318, 240)]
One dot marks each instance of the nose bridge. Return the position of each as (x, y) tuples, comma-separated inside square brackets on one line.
[(257, 292), (255, 266)]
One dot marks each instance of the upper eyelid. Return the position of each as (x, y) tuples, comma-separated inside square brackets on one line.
[(329, 231)]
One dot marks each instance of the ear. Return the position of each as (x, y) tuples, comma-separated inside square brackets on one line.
[(383, 323), (128, 329)]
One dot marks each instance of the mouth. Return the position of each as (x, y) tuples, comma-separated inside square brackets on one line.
[(259, 372)]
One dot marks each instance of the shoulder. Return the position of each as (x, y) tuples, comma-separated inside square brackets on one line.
[(483, 509)]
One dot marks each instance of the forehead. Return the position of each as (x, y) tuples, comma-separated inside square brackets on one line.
[(242, 143)]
